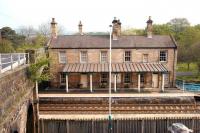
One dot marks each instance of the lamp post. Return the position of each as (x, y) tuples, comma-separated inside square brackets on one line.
[(110, 69)]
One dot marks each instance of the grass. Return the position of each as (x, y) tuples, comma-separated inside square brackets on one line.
[(183, 67), (193, 78)]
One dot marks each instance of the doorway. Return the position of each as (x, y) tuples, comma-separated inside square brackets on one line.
[(155, 80), (84, 81)]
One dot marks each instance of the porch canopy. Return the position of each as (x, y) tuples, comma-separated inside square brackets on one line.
[(116, 67)]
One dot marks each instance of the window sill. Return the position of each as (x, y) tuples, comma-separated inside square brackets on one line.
[(163, 61)]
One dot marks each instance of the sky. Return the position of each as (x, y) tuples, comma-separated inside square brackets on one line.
[(96, 15)]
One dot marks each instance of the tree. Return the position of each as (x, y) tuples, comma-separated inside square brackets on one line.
[(196, 53), (40, 40), (133, 31), (162, 29), (27, 31), (36, 70), (10, 34), (187, 38), (6, 46), (45, 29), (179, 24)]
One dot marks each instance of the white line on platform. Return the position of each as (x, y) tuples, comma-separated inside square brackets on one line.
[(115, 116), (119, 95)]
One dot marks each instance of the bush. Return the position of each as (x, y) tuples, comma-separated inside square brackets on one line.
[(6, 46)]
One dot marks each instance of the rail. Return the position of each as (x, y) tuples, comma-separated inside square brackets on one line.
[(12, 60)]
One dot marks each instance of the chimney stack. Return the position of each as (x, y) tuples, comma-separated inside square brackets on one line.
[(54, 29), (80, 28), (116, 32), (119, 28), (149, 28)]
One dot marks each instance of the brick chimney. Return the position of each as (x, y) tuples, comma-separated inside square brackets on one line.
[(80, 28), (149, 28), (116, 32), (119, 27), (54, 29)]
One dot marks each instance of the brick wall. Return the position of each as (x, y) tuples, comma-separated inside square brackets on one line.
[(73, 56), (16, 94)]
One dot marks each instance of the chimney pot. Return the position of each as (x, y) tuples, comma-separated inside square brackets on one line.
[(149, 27), (116, 32), (53, 28), (80, 28)]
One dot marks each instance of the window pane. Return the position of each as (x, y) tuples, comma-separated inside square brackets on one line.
[(142, 78), (104, 56), (83, 56), (145, 57), (62, 78), (127, 56), (62, 57), (163, 56), (127, 78), (104, 78)]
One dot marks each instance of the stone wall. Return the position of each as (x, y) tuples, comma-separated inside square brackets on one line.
[(73, 56), (16, 95)]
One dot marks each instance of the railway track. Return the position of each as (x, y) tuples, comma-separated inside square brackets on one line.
[(117, 108)]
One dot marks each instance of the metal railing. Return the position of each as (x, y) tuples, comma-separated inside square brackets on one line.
[(12, 60), (185, 86)]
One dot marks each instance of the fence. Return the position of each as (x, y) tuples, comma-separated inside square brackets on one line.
[(12, 60), (194, 87)]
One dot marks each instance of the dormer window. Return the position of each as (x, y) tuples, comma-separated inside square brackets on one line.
[(83, 57)]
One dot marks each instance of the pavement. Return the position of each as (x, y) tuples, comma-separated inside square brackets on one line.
[(116, 116), (119, 95)]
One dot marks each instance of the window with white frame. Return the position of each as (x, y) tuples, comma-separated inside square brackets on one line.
[(163, 56), (145, 58), (62, 78), (127, 78), (127, 56), (62, 57), (104, 78), (84, 57), (104, 56)]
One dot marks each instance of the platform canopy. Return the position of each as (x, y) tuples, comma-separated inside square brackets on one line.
[(116, 67)]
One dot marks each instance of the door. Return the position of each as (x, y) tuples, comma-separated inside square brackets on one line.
[(155, 80), (84, 80)]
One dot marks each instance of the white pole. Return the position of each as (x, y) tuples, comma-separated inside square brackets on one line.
[(115, 82), (24, 58), (183, 85), (36, 88), (110, 98), (90, 82), (163, 82), (28, 58), (18, 55), (67, 83), (11, 60), (139, 82)]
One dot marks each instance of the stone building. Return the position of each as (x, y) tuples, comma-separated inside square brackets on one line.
[(82, 61)]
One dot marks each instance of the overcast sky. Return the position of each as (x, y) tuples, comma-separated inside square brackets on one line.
[(96, 15)]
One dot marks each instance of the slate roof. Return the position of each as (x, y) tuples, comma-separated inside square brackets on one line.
[(102, 41)]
